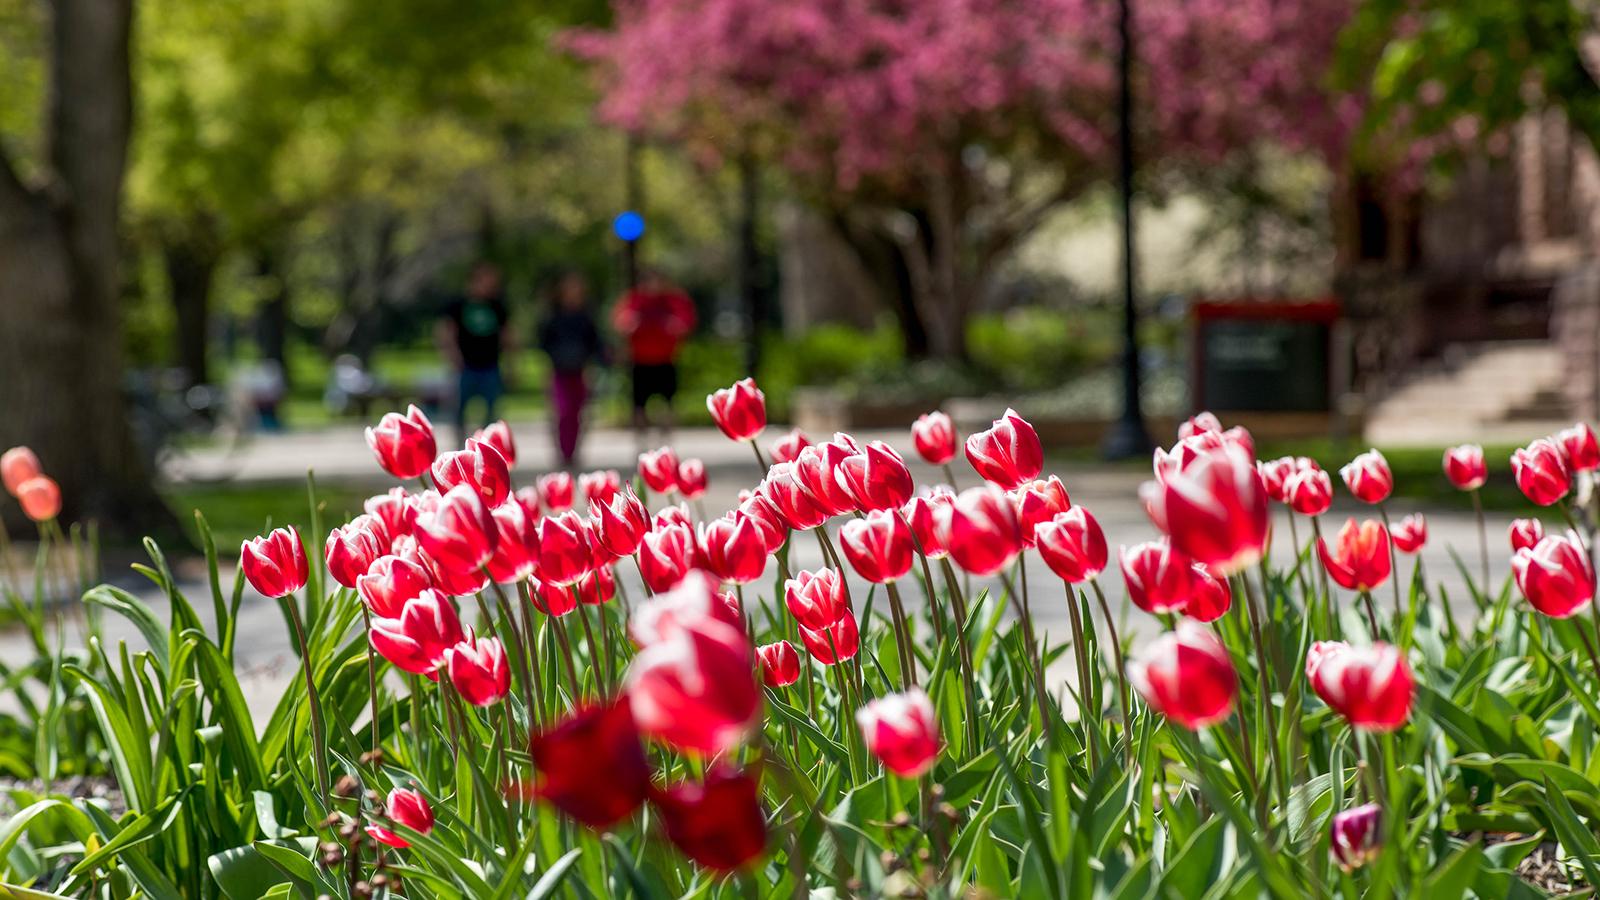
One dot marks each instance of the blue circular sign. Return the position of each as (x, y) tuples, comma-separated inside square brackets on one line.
[(628, 225)]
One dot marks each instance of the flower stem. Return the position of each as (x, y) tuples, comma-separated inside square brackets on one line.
[(319, 742), (1122, 666), (372, 675), (1265, 679), (1483, 540)]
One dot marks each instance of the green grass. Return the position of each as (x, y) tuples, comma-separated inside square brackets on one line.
[(239, 511)]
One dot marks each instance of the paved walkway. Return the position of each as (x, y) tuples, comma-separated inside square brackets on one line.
[(264, 654)]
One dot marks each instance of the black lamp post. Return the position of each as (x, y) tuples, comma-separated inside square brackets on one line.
[(1127, 437)]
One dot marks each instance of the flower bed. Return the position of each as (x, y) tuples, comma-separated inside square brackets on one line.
[(483, 709)]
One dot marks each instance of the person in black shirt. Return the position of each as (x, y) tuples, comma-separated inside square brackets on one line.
[(473, 337), (569, 336)]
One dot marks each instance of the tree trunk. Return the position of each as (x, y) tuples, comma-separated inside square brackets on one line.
[(272, 318), (885, 261), (191, 261), (61, 335)]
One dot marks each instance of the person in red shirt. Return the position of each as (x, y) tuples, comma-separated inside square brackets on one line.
[(654, 318)]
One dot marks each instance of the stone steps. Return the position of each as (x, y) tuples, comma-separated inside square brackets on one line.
[(1493, 392)]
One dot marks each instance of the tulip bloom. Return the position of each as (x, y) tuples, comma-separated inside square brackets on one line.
[(460, 535), (1214, 510), (929, 518), (1368, 477), (1583, 454), (814, 471), (1209, 596), (985, 535), (1186, 675), (733, 548), (1204, 422), (1354, 836), (395, 510), (1072, 545), (1273, 475), (479, 671), (790, 500), (665, 556), (816, 599), (452, 581), (1159, 578), (565, 552), (1526, 533), (695, 688), (552, 599), (659, 469), (420, 640), (592, 765), (528, 499), (17, 465), (718, 823), (1008, 453), (403, 443), (878, 546), (354, 547), (275, 564), (934, 436), (1465, 468), (481, 466), (876, 478), (1359, 560), (1410, 533), (1371, 687), (407, 807), (556, 490), (902, 731), (516, 551), (1541, 471), (391, 583), (836, 643), (1037, 502), (619, 523), (1309, 492), (40, 498), (760, 511), (740, 411), (692, 479), (694, 599), (601, 485), (780, 664), (1555, 576), (786, 448), (498, 436)]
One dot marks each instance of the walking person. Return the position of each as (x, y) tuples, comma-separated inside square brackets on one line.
[(655, 318), (569, 336), (474, 338)]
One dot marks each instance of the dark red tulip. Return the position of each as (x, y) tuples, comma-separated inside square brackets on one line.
[(780, 664), (792, 502), (934, 436), (814, 470), (516, 551), (421, 639), (692, 599), (1555, 575), (498, 436), (816, 599), (1309, 492), (1008, 453), (985, 535), (1072, 545), (592, 765), (1410, 533), (460, 535), (1159, 578), (391, 583), (718, 823), (565, 551), (481, 466), (1526, 533), (740, 411), (275, 564), (695, 688), (1359, 560), (659, 469), (878, 546), (902, 731), (1187, 676), (352, 548), (1541, 471), (733, 548), (1465, 468), (692, 479), (876, 478), (407, 807), (619, 523), (601, 485), (786, 448), (1583, 454), (403, 444), (479, 671), (556, 490), (1371, 687), (666, 555), (1209, 596), (1037, 502), (929, 518), (1355, 836), (1214, 509), (396, 511), (838, 642), (1368, 477)]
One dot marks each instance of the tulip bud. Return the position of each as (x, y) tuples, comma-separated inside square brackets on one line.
[(1465, 468), (1037, 502), (275, 564), (902, 731), (17, 465), (516, 551), (1186, 675), (786, 448), (695, 688), (460, 535), (552, 599), (740, 411), (1214, 509), (481, 466), (1159, 578), (619, 523), (1541, 472), (929, 518), (1410, 533), (1368, 477), (814, 470), (878, 546), (659, 469), (665, 556), (1555, 575), (733, 548), (1309, 492), (40, 498), (556, 491), (1204, 422), (718, 824), (1072, 545), (421, 638), (792, 502), (692, 479), (985, 535), (352, 548), (836, 643), (407, 807), (1359, 559), (780, 664), (479, 671), (1209, 595), (1578, 442), (1008, 453), (1354, 836), (601, 485), (934, 436), (565, 551), (1526, 533), (390, 583), (876, 478), (395, 510), (498, 435), (592, 765), (760, 511), (404, 444), (1371, 687), (816, 599)]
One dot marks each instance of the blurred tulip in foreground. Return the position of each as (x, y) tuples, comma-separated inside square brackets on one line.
[(406, 807), (695, 688), (1371, 687), (1354, 838), (902, 731), (1465, 468), (1214, 509), (1554, 575), (1186, 675), (717, 823), (592, 765)]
